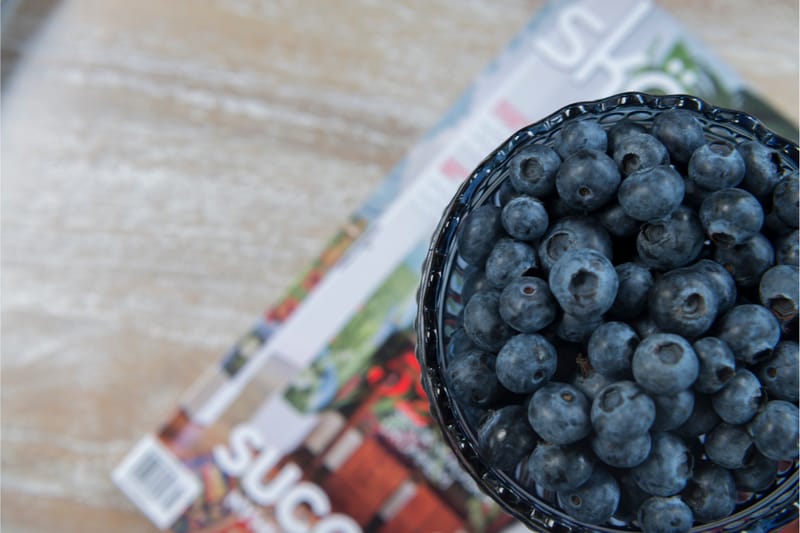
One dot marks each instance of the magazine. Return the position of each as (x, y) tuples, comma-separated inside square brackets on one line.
[(315, 420)]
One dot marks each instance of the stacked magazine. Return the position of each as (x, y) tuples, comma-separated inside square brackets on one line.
[(315, 420)]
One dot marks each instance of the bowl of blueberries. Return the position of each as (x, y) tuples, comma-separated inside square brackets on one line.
[(608, 320)]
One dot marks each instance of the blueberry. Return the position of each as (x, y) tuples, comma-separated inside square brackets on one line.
[(748, 261), (716, 165), (584, 282), (702, 420), (774, 227), (624, 453), (694, 194), (589, 381), (762, 168), (639, 151), (786, 249), (717, 364), (779, 374), (616, 222), (762, 526), (711, 493), (631, 497), (458, 343), (558, 208), (652, 193), (778, 291), (751, 331), (635, 281), (757, 476), (505, 437), (645, 327), (505, 193), (474, 282), (620, 130), (524, 218), (577, 328), (478, 233), (556, 468), (682, 301), (671, 243), (472, 380), (509, 259), (587, 180), (559, 413), (474, 415), (681, 132), (720, 280), (595, 501), (579, 135), (668, 467), (483, 323), (738, 401), (665, 515), (527, 305), (572, 233), (775, 430), (664, 363), (525, 363), (729, 446), (622, 411), (785, 200), (672, 410), (731, 216), (611, 347), (533, 170)]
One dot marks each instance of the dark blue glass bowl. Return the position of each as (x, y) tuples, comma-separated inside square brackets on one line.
[(440, 303)]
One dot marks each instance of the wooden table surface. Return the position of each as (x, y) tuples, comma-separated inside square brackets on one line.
[(169, 167)]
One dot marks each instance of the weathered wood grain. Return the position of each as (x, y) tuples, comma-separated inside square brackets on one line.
[(168, 168)]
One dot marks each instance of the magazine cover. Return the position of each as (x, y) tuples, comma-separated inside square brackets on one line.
[(315, 420)]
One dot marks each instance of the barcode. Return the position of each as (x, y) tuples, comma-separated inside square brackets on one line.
[(157, 482)]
